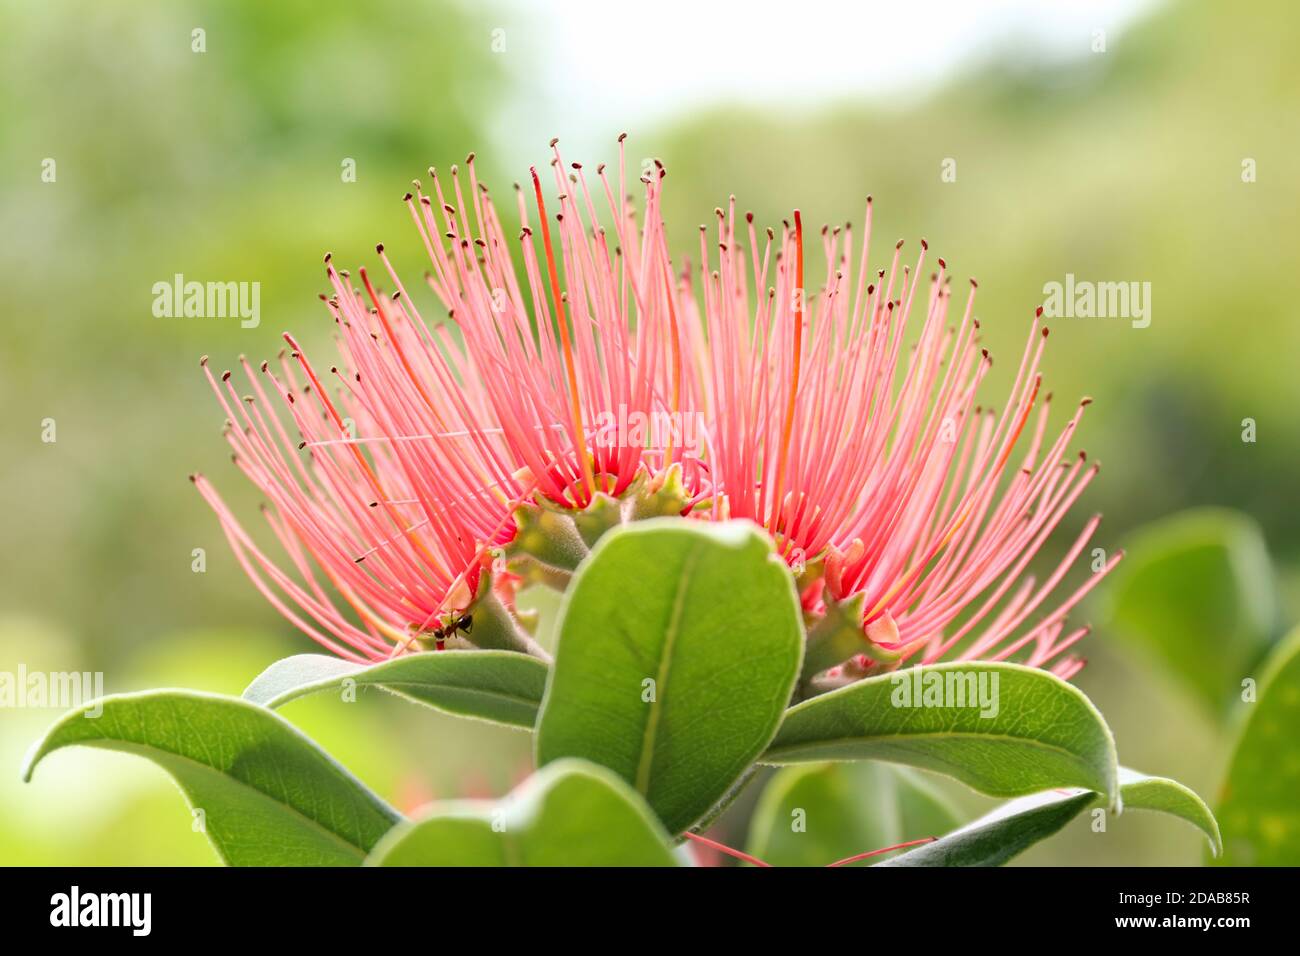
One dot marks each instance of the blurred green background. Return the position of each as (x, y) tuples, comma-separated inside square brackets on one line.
[(226, 165)]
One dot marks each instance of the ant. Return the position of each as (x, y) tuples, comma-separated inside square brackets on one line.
[(440, 634)]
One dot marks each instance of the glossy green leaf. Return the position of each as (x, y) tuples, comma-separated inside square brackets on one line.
[(570, 813), (1008, 730), (268, 794), (1009, 830), (997, 837), (679, 647), (1259, 807), (503, 687), (1197, 587), (815, 814)]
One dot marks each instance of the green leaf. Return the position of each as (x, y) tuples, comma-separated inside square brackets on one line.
[(679, 647), (269, 795), (1196, 587), (815, 814), (1009, 830), (1140, 792), (1260, 803), (503, 687), (1013, 731), (570, 813), (994, 839)]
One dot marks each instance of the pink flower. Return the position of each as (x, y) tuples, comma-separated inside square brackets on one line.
[(585, 337), (384, 531), (883, 465), (391, 491), (909, 513), (390, 479)]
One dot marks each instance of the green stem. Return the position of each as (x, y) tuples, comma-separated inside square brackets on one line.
[(726, 800)]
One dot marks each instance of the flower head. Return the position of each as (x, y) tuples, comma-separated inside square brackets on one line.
[(843, 418), (382, 527), (391, 478), (587, 337)]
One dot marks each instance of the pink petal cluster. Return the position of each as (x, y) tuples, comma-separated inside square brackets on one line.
[(843, 419)]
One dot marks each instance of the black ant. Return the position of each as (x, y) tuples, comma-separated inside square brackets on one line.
[(440, 634)]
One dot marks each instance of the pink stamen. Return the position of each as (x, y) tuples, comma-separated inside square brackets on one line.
[(723, 848), (888, 849)]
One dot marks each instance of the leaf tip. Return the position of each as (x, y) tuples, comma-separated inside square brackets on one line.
[(30, 760)]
